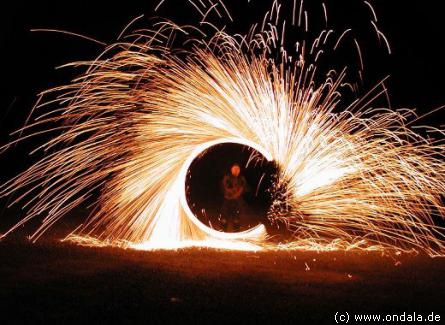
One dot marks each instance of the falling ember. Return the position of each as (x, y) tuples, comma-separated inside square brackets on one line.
[(131, 125)]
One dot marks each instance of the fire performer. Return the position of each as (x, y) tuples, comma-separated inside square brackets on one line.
[(234, 185)]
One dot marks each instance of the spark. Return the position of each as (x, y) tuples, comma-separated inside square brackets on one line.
[(372, 9), (159, 5), (354, 178), (325, 13), (341, 37), (68, 33), (359, 51)]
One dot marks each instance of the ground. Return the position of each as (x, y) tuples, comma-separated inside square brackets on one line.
[(54, 281)]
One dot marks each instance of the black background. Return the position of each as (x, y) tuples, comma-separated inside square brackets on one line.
[(204, 184), (414, 29), (71, 284)]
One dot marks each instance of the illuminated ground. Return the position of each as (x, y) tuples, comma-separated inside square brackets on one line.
[(58, 282)]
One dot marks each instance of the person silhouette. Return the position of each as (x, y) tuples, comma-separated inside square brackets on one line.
[(233, 185)]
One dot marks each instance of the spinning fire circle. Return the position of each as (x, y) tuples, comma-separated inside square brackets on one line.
[(255, 232), (204, 188)]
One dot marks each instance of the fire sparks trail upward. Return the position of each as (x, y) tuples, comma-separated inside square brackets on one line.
[(132, 124)]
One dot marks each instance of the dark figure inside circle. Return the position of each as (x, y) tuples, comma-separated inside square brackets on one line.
[(233, 185)]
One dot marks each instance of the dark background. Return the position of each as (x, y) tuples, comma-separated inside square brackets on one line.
[(415, 32), (204, 190), (67, 283), (414, 29)]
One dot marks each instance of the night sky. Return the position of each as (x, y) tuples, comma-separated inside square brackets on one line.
[(415, 68), (68, 283), (415, 32)]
